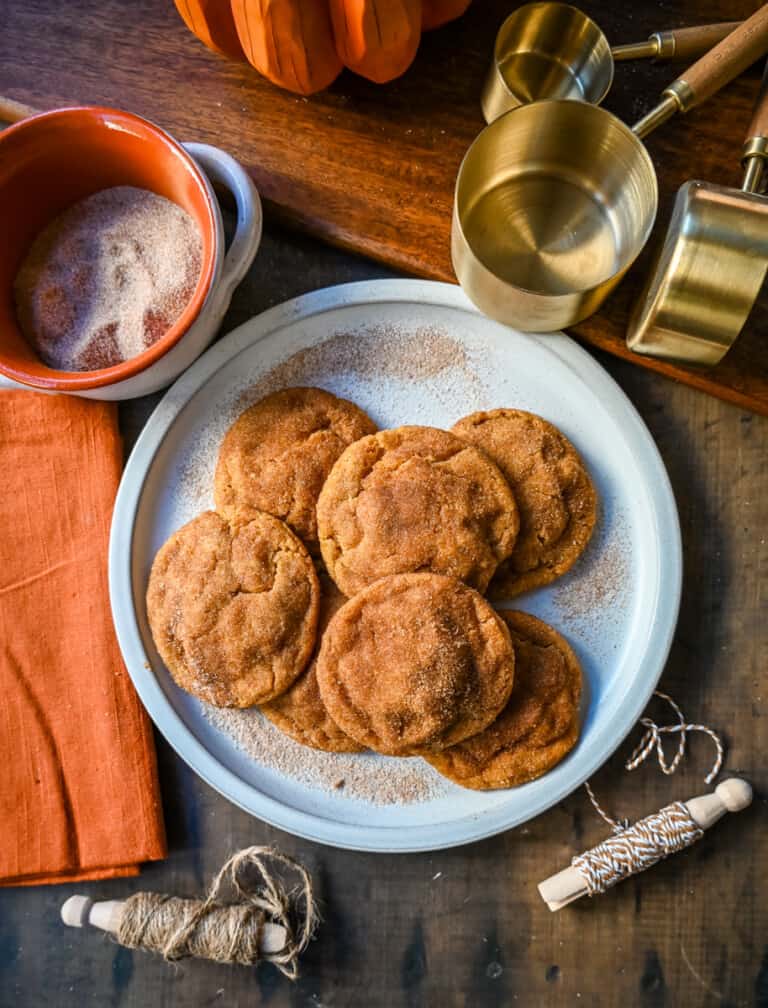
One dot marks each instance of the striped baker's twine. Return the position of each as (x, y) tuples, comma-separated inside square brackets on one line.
[(637, 847), (632, 849)]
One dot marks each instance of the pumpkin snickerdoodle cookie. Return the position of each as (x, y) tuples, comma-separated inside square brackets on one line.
[(414, 663), (300, 711), (233, 607), (278, 453), (414, 499), (540, 723), (553, 490)]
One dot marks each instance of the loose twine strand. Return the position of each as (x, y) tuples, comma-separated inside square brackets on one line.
[(632, 849), (228, 932)]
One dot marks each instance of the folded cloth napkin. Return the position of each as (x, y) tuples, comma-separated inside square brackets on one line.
[(79, 796)]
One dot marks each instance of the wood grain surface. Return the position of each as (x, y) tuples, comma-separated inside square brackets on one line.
[(466, 928), (371, 168)]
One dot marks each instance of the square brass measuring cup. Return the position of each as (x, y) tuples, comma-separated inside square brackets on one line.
[(712, 264)]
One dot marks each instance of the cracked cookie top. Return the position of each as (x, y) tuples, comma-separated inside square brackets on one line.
[(556, 497), (278, 453), (414, 499), (414, 663), (539, 725), (233, 607), (300, 711)]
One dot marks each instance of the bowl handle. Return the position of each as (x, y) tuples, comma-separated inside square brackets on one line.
[(222, 168)]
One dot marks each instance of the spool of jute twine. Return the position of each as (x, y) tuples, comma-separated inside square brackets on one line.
[(249, 915)]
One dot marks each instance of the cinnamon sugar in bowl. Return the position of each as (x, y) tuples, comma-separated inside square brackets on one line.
[(56, 159)]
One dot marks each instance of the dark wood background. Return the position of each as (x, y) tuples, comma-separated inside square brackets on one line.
[(372, 168), (691, 932), (694, 930)]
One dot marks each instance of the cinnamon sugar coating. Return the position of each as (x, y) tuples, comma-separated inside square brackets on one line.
[(538, 726), (414, 499), (414, 663), (300, 711), (278, 453), (554, 493), (233, 607)]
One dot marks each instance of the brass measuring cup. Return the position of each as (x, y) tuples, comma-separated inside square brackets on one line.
[(554, 50), (712, 263), (555, 200)]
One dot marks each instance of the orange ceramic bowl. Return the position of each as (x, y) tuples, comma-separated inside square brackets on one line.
[(50, 161)]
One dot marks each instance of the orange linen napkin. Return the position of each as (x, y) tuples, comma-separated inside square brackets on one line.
[(79, 796)]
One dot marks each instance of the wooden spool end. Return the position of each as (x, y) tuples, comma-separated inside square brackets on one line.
[(75, 911), (734, 793)]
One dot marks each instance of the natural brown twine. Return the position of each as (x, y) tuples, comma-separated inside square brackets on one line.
[(228, 932), (632, 849)]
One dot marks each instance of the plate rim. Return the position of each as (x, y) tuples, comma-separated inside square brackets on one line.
[(181, 738)]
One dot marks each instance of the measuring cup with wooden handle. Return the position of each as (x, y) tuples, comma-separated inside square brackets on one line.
[(712, 264), (555, 200), (676, 43), (554, 50)]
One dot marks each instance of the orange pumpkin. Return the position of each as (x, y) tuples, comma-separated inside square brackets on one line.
[(377, 38), (302, 45), (290, 42), (213, 23)]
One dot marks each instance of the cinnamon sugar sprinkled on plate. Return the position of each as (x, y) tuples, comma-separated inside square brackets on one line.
[(402, 356), (398, 375), (378, 350), (366, 777), (597, 585)]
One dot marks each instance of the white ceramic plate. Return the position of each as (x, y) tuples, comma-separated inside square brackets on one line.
[(413, 352)]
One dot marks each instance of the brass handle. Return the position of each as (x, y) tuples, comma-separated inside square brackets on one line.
[(688, 43), (677, 43), (720, 65), (755, 152)]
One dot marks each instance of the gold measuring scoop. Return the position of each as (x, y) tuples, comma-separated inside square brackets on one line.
[(712, 263), (555, 200), (554, 50)]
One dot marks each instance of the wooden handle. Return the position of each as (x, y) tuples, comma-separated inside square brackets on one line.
[(12, 111), (727, 60), (676, 43), (78, 911), (730, 795), (688, 43), (566, 887)]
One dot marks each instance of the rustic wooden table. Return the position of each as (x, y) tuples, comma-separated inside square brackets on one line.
[(372, 168), (466, 927)]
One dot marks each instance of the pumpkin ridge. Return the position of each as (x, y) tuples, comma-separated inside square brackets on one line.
[(192, 21), (244, 8), (377, 22), (306, 43)]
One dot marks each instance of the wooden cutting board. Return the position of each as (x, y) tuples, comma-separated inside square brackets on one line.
[(371, 168)]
